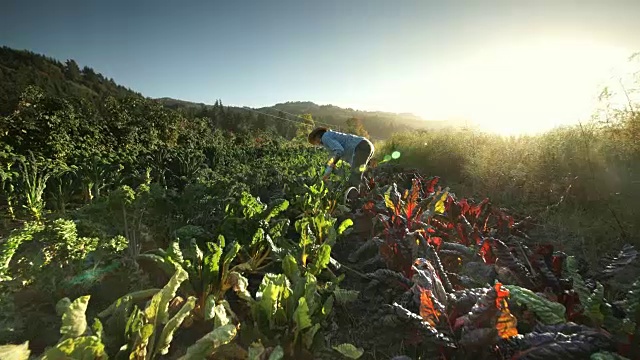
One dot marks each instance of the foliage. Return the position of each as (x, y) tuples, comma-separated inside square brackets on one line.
[(15, 352), (208, 344), (443, 262), (93, 176), (210, 275), (78, 341), (289, 310), (255, 225)]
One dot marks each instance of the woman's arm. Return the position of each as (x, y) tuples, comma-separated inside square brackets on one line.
[(334, 146), (336, 151)]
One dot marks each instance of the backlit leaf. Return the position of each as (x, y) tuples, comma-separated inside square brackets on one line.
[(349, 351), (507, 323), (277, 353), (344, 225), (549, 312), (301, 315), (427, 310), (323, 257), (15, 352), (208, 344), (80, 348), (172, 325), (440, 204), (74, 321)]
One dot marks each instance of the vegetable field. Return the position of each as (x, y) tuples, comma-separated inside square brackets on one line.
[(142, 234)]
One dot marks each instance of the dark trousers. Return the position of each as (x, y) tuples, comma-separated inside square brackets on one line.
[(361, 157)]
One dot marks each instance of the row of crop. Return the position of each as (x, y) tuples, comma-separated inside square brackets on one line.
[(473, 284)]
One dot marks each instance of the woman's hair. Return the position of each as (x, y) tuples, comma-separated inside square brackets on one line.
[(317, 133)]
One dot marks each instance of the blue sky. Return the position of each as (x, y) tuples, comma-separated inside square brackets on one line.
[(420, 56)]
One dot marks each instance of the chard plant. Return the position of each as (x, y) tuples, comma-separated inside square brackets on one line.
[(147, 333), (210, 276), (289, 313), (257, 228)]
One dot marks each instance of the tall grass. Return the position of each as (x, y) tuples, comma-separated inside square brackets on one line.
[(581, 183)]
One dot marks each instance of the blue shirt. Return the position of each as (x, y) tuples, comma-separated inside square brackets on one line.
[(341, 146)]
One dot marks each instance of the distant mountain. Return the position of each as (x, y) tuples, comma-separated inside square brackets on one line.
[(379, 124), (20, 68)]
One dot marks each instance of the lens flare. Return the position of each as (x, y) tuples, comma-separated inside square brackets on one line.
[(395, 155)]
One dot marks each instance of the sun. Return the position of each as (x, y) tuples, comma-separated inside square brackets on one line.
[(527, 88)]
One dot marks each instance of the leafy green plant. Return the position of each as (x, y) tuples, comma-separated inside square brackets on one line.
[(148, 333), (34, 173), (255, 225), (549, 312), (12, 242), (131, 207), (318, 234), (8, 179), (210, 275), (78, 341), (15, 352), (288, 311)]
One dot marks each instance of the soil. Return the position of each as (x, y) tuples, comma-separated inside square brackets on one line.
[(355, 321)]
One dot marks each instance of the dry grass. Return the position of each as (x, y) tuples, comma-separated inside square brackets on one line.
[(594, 169)]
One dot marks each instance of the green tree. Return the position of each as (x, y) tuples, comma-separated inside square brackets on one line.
[(305, 126), (72, 70), (355, 126)]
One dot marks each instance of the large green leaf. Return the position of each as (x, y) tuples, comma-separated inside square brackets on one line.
[(323, 257), (174, 253), (593, 306), (301, 317), (578, 283), (349, 351), (344, 226), (208, 344), (269, 291), (144, 342), (133, 297), (277, 353), (62, 306), (211, 267), (157, 311), (220, 318), (97, 329), (327, 307), (631, 306), (80, 348), (257, 237), (344, 296), (15, 352), (309, 335), (290, 268), (255, 352), (277, 207), (239, 284), (209, 306), (167, 332), (549, 312), (74, 321), (229, 256), (163, 264)]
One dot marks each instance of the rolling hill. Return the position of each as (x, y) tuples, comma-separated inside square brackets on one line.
[(21, 68)]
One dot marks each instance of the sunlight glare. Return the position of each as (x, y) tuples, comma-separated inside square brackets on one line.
[(525, 89)]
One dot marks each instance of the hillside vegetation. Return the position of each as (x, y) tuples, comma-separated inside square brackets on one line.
[(131, 230), (580, 184)]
